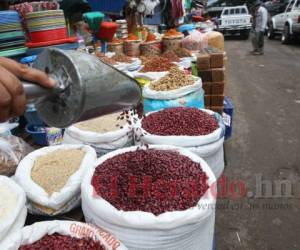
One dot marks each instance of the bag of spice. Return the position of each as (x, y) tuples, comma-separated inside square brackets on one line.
[(104, 134), (199, 130), (51, 177), (13, 211), (142, 195), (57, 235)]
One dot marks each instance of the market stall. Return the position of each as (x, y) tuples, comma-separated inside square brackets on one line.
[(143, 174)]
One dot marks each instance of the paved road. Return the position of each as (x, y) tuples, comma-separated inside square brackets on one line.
[(266, 93)]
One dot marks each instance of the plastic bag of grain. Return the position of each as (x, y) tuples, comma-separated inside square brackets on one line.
[(12, 207), (175, 126), (104, 134), (188, 229), (51, 177), (215, 40), (41, 234), (12, 150)]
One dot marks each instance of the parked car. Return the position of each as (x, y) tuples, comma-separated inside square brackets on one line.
[(287, 24), (235, 20), (276, 7)]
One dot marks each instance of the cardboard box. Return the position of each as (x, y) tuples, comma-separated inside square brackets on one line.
[(206, 75), (217, 100), (203, 61), (207, 100), (218, 75), (218, 109), (207, 87), (217, 88), (217, 60)]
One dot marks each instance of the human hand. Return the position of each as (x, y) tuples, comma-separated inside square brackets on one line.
[(12, 96)]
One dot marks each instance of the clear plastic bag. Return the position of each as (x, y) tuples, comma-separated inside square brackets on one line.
[(12, 150), (195, 41)]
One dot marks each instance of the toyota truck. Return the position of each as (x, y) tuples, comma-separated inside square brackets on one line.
[(286, 24), (235, 20)]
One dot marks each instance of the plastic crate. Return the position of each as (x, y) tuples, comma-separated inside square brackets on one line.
[(228, 117), (38, 134), (107, 6)]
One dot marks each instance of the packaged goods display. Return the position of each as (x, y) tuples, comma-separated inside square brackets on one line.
[(144, 175)]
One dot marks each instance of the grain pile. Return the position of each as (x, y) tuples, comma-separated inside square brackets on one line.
[(174, 80), (52, 171), (103, 124)]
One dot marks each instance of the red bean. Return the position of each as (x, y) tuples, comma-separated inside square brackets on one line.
[(62, 242), (180, 121), (150, 180)]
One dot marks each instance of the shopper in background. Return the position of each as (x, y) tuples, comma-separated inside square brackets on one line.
[(12, 96), (260, 25)]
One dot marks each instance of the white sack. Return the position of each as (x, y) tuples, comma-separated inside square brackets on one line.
[(35, 232), (17, 217), (189, 229), (69, 196), (172, 94), (101, 142), (209, 147)]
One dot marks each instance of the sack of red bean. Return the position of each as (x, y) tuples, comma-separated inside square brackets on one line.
[(51, 177), (155, 197), (199, 130), (104, 134), (12, 208), (57, 235)]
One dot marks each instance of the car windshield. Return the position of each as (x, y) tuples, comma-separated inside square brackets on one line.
[(297, 5)]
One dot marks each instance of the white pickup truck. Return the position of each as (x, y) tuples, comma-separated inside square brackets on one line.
[(235, 20), (287, 24)]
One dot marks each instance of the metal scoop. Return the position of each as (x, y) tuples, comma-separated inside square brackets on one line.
[(86, 88)]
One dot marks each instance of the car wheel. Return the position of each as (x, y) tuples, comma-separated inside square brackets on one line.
[(286, 36), (271, 34)]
